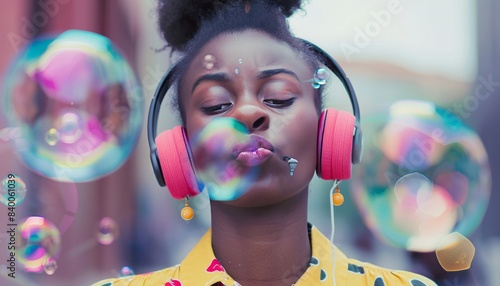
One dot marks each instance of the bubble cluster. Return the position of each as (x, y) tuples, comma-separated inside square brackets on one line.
[(224, 178), (12, 191), (38, 241), (108, 231), (77, 104), (425, 175), (319, 79)]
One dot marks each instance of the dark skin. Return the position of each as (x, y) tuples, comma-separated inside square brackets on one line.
[(261, 238)]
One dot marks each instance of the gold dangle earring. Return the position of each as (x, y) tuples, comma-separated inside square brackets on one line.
[(337, 197), (187, 212)]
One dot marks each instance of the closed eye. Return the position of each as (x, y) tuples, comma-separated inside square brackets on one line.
[(278, 103), (216, 109)]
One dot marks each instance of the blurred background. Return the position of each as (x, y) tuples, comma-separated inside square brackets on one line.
[(440, 55)]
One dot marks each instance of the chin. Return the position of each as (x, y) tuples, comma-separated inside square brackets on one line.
[(267, 192)]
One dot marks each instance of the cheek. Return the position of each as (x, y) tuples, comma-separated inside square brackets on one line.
[(303, 130), (193, 123)]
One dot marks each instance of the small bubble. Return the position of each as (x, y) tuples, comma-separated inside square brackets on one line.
[(315, 85), (209, 62), (240, 61), (50, 266), (126, 271), (321, 74), (108, 231), (320, 81), (38, 240), (236, 71), (52, 136), (12, 190), (71, 127)]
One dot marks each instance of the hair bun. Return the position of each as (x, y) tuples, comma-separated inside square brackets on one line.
[(179, 20), (288, 7)]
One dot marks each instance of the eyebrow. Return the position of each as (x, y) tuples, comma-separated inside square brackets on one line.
[(272, 72), (223, 77), (220, 77)]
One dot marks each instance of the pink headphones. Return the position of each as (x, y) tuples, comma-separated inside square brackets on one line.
[(339, 139)]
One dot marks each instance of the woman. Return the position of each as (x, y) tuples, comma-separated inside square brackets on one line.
[(241, 63)]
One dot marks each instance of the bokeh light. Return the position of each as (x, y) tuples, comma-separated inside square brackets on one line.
[(12, 190), (455, 252), (37, 241), (224, 178), (77, 104), (424, 175), (108, 231)]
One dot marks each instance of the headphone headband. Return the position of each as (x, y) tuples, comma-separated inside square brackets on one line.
[(334, 66), (167, 82), (154, 110)]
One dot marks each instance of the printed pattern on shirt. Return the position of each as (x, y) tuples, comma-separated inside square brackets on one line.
[(173, 282), (201, 268)]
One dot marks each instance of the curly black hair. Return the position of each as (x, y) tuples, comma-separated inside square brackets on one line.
[(189, 25)]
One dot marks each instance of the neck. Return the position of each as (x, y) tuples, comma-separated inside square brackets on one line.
[(264, 245)]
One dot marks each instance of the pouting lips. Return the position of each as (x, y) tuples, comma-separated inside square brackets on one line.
[(255, 151)]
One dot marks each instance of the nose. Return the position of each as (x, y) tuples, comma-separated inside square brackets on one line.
[(252, 115)]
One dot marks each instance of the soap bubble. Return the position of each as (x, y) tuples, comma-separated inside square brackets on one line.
[(108, 231), (224, 178), (37, 241), (77, 104), (425, 175), (50, 266), (126, 271), (12, 191)]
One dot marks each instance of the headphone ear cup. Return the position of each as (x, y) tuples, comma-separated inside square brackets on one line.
[(176, 163), (335, 143)]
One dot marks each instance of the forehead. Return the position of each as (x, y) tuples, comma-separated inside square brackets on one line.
[(249, 48)]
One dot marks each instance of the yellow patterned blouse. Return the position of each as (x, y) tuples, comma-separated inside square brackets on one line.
[(200, 268)]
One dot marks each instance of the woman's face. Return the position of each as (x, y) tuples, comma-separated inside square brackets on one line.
[(264, 84)]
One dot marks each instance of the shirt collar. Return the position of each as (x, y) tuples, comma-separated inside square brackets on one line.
[(200, 267)]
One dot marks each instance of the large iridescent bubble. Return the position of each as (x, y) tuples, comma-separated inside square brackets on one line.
[(38, 241), (424, 175), (224, 178), (77, 104)]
